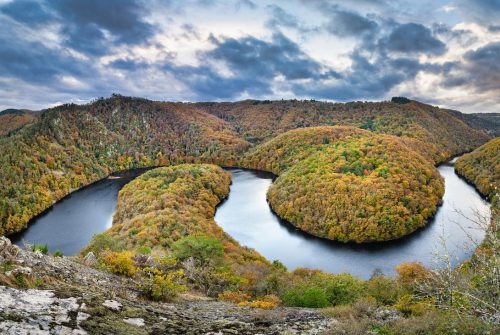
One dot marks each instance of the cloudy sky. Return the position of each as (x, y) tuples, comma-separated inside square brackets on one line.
[(446, 53)]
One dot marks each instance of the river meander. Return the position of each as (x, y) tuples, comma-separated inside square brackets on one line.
[(246, 216)]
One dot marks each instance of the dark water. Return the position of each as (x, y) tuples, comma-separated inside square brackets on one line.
[(246, 216), (70, 223)]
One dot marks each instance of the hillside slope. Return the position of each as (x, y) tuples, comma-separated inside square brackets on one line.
[(436, 133), (348, 184), (70, 146), (482, 167), (488, 122), (14, 119)]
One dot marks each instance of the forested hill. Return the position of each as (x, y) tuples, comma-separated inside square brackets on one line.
[(70, 146), (482, 167), (489, 122), (13, 119), (442, 132)]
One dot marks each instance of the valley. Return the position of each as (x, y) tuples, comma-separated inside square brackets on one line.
[(302, 215)]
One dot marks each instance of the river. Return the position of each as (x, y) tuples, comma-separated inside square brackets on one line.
[(246, 216), (71, 222)]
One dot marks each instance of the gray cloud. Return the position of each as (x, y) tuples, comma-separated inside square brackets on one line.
[(91, 27), (245, 3), (34, 62), (281, 18), (369, 79), (87, 22), (413, 38), (346, 23), (464, 37), (254, 63), (29, 12), (387, 50), (480, 69), (480, 11)]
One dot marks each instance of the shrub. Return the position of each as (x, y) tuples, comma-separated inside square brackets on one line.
[(272, 298), (383, 289), (234, 296), (408, 305), (279, 266), (43, 248), (144, 250), (313, 297), (120, 263), (102, 242), (166, 287), (258, 304), (344, 289), (437, 323), (411, 273), (205, 250), (58, 253)]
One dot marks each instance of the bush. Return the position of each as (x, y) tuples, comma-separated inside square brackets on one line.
[(144, 250), (411, 273), (203, 249), (279, 266), (58, 253), (438, 323), (43, 248), (258, 304), (313, 297), (103, 242), (120, 263), (344, 289), (383, 289), (234, 296), (166, 287), (408, 305)]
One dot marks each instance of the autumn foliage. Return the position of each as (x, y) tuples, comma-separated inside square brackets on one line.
[(348, 184), (482, 167), (70, 146)]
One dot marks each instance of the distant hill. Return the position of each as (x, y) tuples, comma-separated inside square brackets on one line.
[(70, 146), (435, 132), (488, 122), (13, 119)]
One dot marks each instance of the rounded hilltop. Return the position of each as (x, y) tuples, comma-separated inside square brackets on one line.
[(347, 184)]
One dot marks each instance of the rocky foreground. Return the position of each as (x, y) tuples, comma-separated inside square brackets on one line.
[(42, 294)]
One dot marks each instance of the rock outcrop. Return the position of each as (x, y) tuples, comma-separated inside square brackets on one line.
[(68, 297)]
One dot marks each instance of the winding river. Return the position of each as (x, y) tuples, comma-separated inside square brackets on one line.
[(247, 217)]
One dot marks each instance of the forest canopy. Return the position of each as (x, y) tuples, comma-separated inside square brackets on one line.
[(70, 146), (482, 167), (348, 184)]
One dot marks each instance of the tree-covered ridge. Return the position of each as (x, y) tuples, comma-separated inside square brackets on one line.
[(434, 132), (347, 184), (482, 167), (14, 119), (167, 208), (71, 146), (165, 204)]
